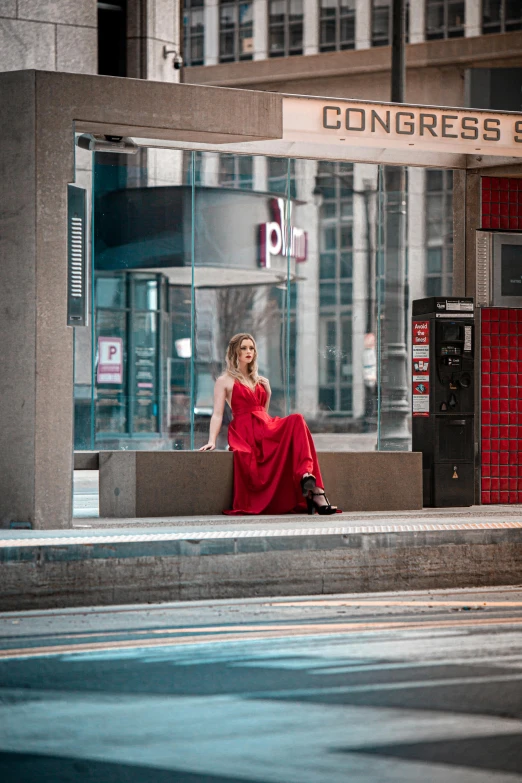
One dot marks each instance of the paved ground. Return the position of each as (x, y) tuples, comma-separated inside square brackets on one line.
[(375, 688), (86, 519)]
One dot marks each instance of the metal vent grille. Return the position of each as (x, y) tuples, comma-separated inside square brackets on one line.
[(483, 260), (76, 266)]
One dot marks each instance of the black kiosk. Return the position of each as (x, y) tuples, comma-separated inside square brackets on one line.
[(443, 401)]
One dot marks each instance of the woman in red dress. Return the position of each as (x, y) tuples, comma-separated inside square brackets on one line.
[(275, 463)]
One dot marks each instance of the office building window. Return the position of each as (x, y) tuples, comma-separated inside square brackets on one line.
[(236, 31), (439, 232), (335, 186), (501, 16), (337, 25), (277, 176), (285, 23), (236, 171), (193, 32), (382, 22), (112, 38), (444, 19)]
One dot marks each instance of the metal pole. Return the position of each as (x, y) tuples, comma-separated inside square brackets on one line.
[(395, 409), (398, 66)]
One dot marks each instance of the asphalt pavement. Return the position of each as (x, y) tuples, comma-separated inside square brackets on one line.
[(367, 688)]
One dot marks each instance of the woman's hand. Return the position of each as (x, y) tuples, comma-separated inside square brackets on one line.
[(210, 446)]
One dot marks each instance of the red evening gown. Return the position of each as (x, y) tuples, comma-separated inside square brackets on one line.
[(270, 456)]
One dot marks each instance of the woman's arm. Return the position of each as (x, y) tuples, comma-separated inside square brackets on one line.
[(266, 384), (220, 394)]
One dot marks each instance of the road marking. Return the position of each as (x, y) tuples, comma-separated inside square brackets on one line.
[(392, 602), (252, 633), (387, 686)]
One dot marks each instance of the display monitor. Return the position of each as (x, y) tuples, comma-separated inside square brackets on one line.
[(507, 270)]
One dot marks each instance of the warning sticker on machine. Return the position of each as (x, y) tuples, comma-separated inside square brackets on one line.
[(421, 405), (467, 338), (457, 305), (420, 368), (421, 365)]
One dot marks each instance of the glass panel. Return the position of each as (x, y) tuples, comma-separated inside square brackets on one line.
[(140, 221), (328, 308)]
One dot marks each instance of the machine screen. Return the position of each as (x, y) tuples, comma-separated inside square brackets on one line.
[(511, 267)]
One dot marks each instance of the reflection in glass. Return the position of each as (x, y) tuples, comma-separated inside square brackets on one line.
[(246, 224)]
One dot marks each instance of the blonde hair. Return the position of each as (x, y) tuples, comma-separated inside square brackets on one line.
[(232, 359)]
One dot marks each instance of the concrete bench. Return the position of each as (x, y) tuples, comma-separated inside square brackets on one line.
[(86, 460), (191, 483)]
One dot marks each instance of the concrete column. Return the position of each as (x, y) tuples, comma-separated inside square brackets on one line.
[(311, 27), (36, 382), (364, 178), (417, 21), (416, 233), (307, 349), (473, 18), (57, 36), (152, 25), (211, 32), (260, 29), (210, 170), (260, 170), (363, 24)]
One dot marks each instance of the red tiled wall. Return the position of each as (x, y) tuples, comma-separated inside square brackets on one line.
[(501, 405), (501, 203)]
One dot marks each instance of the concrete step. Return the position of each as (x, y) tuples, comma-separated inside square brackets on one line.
[(209, 558)]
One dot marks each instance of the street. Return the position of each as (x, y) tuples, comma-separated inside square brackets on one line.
[(381, 688)]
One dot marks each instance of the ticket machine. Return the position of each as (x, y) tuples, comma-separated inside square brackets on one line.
[(443, 397)]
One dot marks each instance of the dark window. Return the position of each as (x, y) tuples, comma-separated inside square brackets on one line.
[(236, 31), (285, 22), (337, 25), (501, 16), (112, 38), (193, 32), (444, 19), (382, 22)]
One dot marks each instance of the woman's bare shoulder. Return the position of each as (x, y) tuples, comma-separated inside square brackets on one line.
[(264, 380), (224, 381)]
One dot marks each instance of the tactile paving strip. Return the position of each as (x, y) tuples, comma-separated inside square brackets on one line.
[(195, 536)]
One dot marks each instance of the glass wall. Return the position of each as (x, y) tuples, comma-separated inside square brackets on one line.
[(320, 260)]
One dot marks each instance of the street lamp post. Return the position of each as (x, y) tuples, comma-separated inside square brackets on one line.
[(395, 408)]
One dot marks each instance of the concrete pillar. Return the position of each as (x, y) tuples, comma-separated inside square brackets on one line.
[(364, 178), (473, 18), (36, 382), (311, 27), (152, 25), (363, 24), (210, 169), (307, 349), (416, 238), (417, 21), (57, 36), (211, 46), (260, 171), (260, 29)]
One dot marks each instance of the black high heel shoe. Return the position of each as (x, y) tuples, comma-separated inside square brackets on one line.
[(323, 510), (308, 484)]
